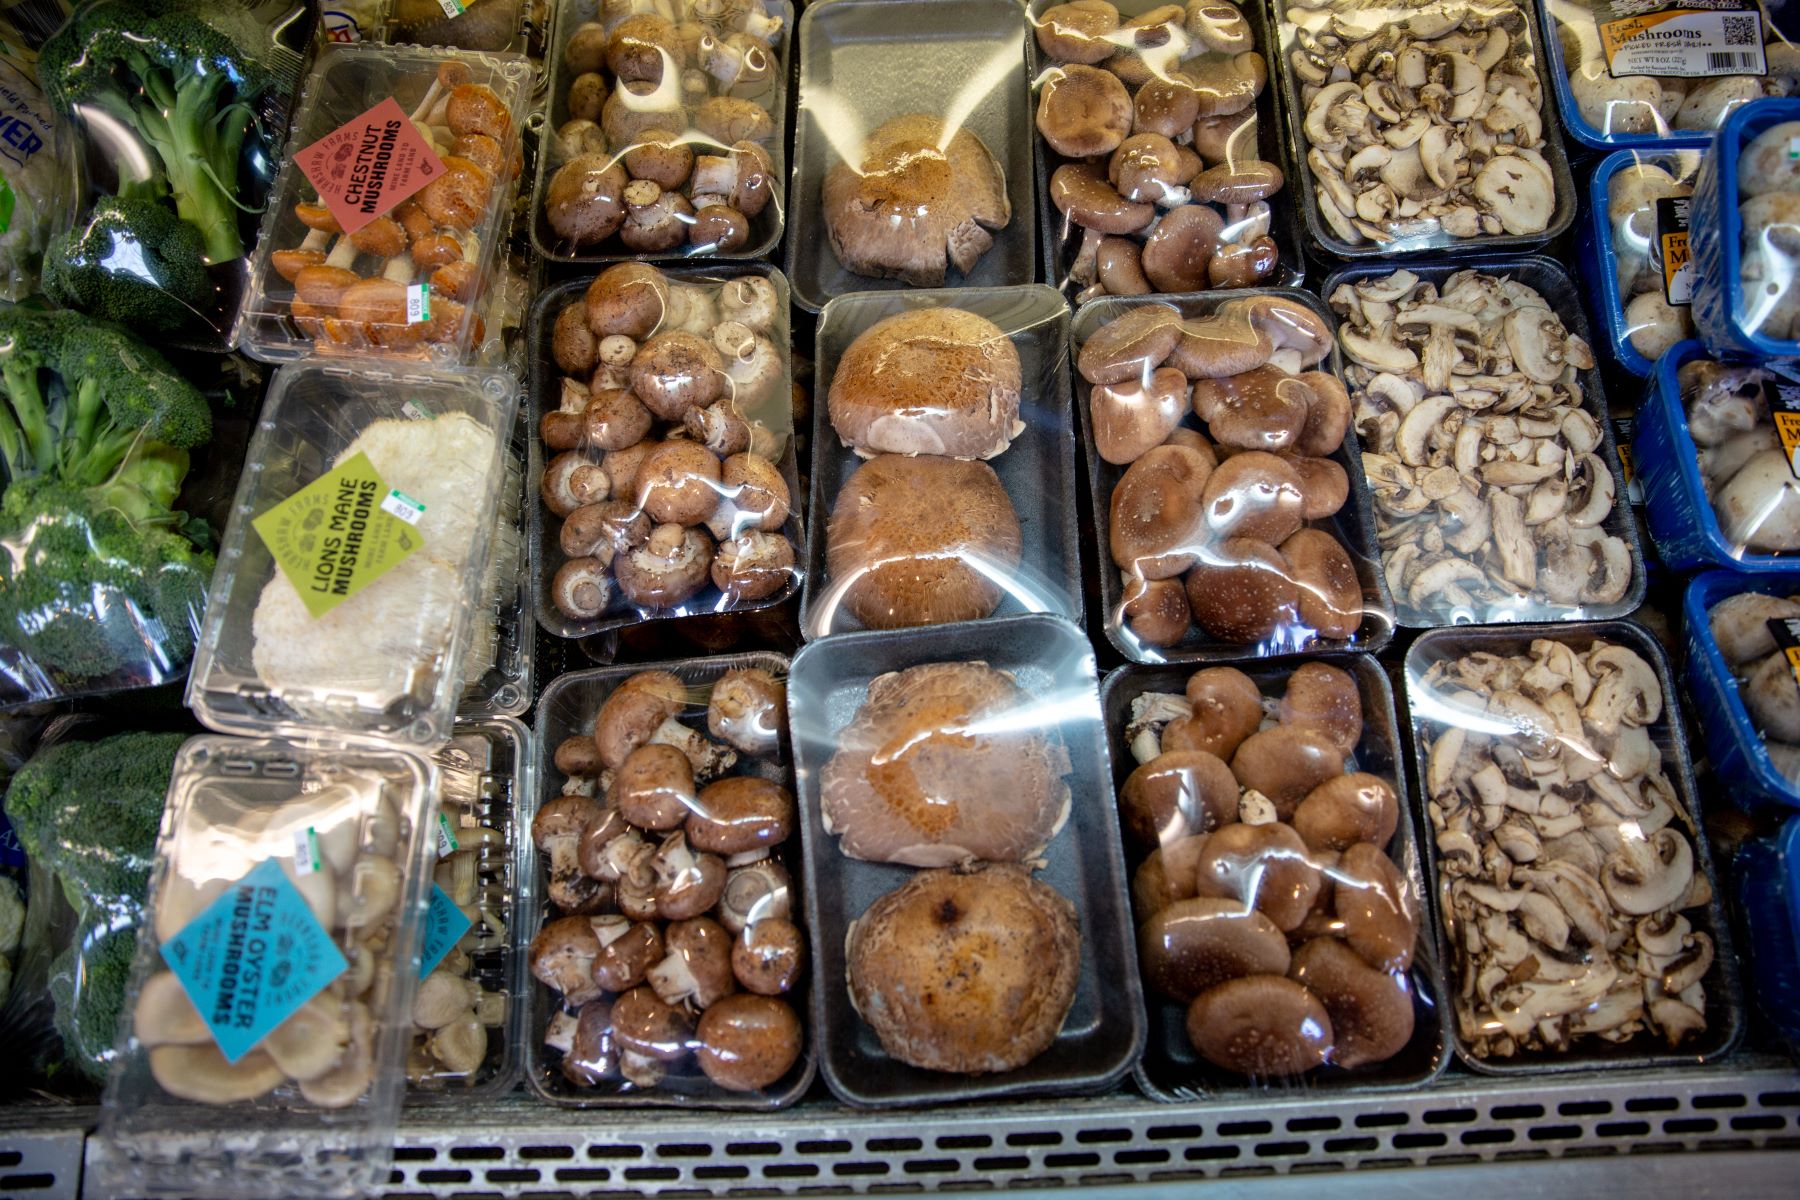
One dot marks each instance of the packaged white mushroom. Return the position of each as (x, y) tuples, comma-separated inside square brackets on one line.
[(1645, 245), (1571, 875), (269, 1010), (1764, 297), (1496, 489), (1422, 124), (1746, 465), (1664, 69), (1753, 633)]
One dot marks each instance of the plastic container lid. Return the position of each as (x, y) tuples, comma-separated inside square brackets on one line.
[(1636, 203), (1737, 749), (362, 628), (265, 1025), (1746, 300)]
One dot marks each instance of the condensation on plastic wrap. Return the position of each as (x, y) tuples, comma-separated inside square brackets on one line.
[(1711, 70), (954, 788), (411, 283), (1393, 164), (662, 455), (309, 1107), (1163, 166), (943, 484), (671, 958), (1503, 502), (1228, 495), (151, 241), (1575, 896), (1635, 250), (1277, 883), (667, 131), (1743, 233)]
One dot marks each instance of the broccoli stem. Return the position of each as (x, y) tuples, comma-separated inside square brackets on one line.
[(177, 122), (21, 380)]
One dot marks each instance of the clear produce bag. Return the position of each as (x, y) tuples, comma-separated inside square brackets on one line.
[(34, 188), (1228, 494)]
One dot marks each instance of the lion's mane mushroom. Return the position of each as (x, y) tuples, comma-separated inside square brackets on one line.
[(916, 779), (969, 970), (903, 533), (920, 194), (928, 381)]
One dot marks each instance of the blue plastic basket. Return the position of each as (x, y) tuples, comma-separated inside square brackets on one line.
[(1733, 745), (1716, 237), (1768, 873), (1676, 507), (1598, 248), (1577, 125)]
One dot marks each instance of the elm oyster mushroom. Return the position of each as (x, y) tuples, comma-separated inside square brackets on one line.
[(918, 195), (1740, 627), (1565, 859), (1491, 494), (1427, 126), (1743, 467)]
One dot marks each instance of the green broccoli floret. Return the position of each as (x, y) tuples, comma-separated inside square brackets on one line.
[(184, 86), (133, 262), (87, 987)]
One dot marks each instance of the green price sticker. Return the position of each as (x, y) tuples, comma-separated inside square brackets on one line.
[(336, 536)]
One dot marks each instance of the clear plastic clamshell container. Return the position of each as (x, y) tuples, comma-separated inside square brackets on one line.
[(488, 26), (913, 151), (1742, 684), (672, 963), (1578, 915), (352, 567), (264, 1030), (663, 468), (1498, 502), (473, 954), (1269, 551), (667, 131), (954, 788), (499, 669), (1195, 91), (1341, 923), (1668, 88), (417, 153), (1494, 145), (1746, 200), (943, 483), (1634, 249)]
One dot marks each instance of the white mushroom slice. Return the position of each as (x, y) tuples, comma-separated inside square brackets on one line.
[(1516, 193)]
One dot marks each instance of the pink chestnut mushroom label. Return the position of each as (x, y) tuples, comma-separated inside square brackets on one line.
[(368, 165)]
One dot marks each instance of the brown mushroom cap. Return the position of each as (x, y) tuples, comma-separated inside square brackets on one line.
[(1156, 610), (1290, 325), (1166, 105), (1352, 808), (748, 708), (562, 957), (769, 956), (1227, 708), (1264, 866), (1119, 267), (634, 711), (1286, 763), (1194, 945), (1331, 596), (1178, 250), (1225, 343), (1375, 907), (1260, 1025), (654, 787), (591, 1056), (902, 534), (1264, 409), (1243, 264), (739, 814), (753, 566), (1131, 346), (627, 299), (1238, 182), (1371, 1011), (1228, 137), (928, 381), (1081, 193), (967, 970), (1156, 522), (679, 483), (1083, 111), (1327, 415), (644, 1025), (1242, 590), (661, 157), (634, 948), (1076, 32), (1325, 698), (748, 1042), (675, 371), (1177, 795), (1324, 485), (1166, 876), (1254, 495), (760, 891)]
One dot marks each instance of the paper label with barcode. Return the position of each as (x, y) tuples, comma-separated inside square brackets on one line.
[(1692, 39), (446, 837), (397, 503), (306, 851), (418, 303), (452, 8)]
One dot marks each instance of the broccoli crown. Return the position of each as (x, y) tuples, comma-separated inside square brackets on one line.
[(87, 987), (133, 262)]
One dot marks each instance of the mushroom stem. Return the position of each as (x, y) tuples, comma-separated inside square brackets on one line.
[(343, 253)]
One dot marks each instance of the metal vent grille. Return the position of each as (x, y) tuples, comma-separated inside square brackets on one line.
[(41, 1158)]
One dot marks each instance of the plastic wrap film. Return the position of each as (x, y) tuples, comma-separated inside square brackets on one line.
[(1498, 502), (953, 782), (484, 776), (490, 26), (1742, 684), (32, 181), (1573, 883), (1162, 153), (353, 566), (672, 960), (270, 1005), (1422, 127), (1746, 204), (1634, 249), (1228, 494), (667, 131), (172, 115), (1277, 884), (663, 457), (913, 154), (416, 153), (943, 485), (1615, 86), (499, 671)]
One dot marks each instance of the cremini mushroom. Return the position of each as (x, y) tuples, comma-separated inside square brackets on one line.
[(748, 1042)]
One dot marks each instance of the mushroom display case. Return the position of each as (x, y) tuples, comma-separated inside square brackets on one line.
[(1577, 909), (935, 503), (672, 965), (1350, 875), (1163, 170), (924, 102), (1637, 206), (954, 791)]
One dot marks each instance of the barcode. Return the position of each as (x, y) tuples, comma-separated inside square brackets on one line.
[(1741, 31), (1731, 62)]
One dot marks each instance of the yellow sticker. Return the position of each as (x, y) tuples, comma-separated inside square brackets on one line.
[(1793, 657), (1787, 427), (333, 538)]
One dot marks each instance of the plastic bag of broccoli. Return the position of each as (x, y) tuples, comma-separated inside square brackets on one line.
[(176, 111)]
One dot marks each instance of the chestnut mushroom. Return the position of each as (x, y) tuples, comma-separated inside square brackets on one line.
[(556, 831), (627, 299), (667, 570), (759, 891), (696, 966), (748, 1042), (679, 483), (654, 787), (753, 566), (748, 708), (739, 814), (752, 496), (645, 1026), (768, 956), (562, 957), (590, 1057), (628, 949), (635, 711), (687, 884), (581, 588), (585, 200), (676, 371)]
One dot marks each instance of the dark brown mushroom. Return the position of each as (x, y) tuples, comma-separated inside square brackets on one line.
[(562, 957), (1325, 698), (739, 814), (769, 956), (1177, 795), (556, 831), (1196, 944), (687, 883), (1264, 866), (1376, 907), (1260, 1025), (696, 968), (1242, 589), (628, 949), (1352, 808), (1371, 1011), (1286, 763), (748, 1042), (1227, 708)]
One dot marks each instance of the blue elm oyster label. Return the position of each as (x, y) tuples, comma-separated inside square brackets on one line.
[(253, 958), (445, 925)]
